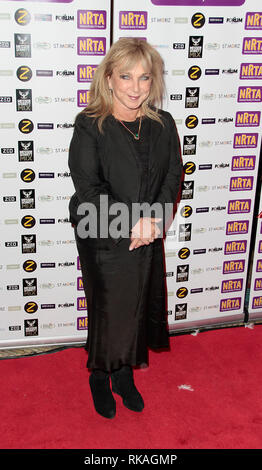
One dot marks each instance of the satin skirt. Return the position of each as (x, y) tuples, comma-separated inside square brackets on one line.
[(126, 301)]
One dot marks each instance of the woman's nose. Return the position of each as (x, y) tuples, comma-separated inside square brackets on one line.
[(135, 85)]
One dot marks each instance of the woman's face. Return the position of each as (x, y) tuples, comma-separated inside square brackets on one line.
[(130, 88)]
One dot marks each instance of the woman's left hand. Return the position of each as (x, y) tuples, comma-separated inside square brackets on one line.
[(137, 242)]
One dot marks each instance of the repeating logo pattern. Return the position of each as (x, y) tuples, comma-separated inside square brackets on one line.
[(214, 93)]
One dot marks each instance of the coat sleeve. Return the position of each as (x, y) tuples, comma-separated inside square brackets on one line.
[(85, 168), (170, 187)]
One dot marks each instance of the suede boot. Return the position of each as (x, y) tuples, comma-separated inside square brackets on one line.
[(123, 384), (103, 399)]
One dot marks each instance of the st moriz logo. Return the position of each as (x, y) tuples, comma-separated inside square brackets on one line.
[(26, 126), (29, 265), (198, 20), (24, 73), (189, 168), (194, 72), (191, 121), (184, 253), (186, 211), (27, 175), (28, 221), (182, 292), (22, 17), (31, 307)]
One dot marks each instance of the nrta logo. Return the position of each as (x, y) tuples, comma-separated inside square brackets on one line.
[(240, 163), (241, 183), (238, 246), (91, 19), (237, 227), (245, 141), (230, 304), (91, 46), (247, 119), (133, 19), (251, 71), (252, 46)]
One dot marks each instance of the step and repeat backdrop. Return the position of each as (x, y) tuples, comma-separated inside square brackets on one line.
[(213, 69), (49, 52), (255, 286)]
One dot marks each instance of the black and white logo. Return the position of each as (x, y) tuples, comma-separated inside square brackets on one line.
[(189, 144), (187, 190), (181, 311), (24, 100), (184, 234), (27, 199), (22, 45), (192, 97), (195, 48), (28, 243), (31, 327), (30, 286), (26, 150), (182, 273)]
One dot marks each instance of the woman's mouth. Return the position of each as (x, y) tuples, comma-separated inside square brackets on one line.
[(133, 98)]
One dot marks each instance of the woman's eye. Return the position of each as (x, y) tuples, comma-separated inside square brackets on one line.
[(125, 77), (145, 77)]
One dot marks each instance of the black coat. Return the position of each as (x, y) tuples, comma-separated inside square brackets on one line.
[(125, 289)]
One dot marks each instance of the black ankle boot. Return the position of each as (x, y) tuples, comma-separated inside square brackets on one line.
[(123, 384), (104, 401)]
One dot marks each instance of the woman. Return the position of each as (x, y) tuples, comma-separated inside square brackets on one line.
[(123, 150)]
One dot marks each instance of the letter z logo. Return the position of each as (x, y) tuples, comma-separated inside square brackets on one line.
[(181, 292), (184, 253), (27, 175), (29, 265), (191, 121), (198, 20), (194, 72), (24, 73), (31, 307), (28, 221), (26, 126)]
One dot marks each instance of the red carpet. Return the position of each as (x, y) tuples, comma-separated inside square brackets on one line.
[(46, 401)]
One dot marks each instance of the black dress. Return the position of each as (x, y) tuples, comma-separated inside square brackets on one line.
[(125, 290)]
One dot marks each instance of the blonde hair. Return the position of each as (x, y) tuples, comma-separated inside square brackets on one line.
[(126, 52)]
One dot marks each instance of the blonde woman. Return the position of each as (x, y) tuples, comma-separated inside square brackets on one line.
[(126, 168)]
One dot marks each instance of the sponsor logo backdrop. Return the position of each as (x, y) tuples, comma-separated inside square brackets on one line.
[(254, 294), (213, 70), (49, 52)]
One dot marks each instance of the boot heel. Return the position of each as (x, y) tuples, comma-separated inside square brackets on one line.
[(123, 384)]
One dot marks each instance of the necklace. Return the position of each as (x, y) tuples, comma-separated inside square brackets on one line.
[(137, 135)]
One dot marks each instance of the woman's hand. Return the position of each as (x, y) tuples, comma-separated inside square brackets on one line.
[(144, 232)]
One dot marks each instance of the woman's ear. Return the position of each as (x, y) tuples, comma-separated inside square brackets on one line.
[(109, 82)]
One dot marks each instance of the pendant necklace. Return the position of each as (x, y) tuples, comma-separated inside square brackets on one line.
[(137, 135)]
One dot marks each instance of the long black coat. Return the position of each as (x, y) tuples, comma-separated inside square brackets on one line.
[(125, 290)]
